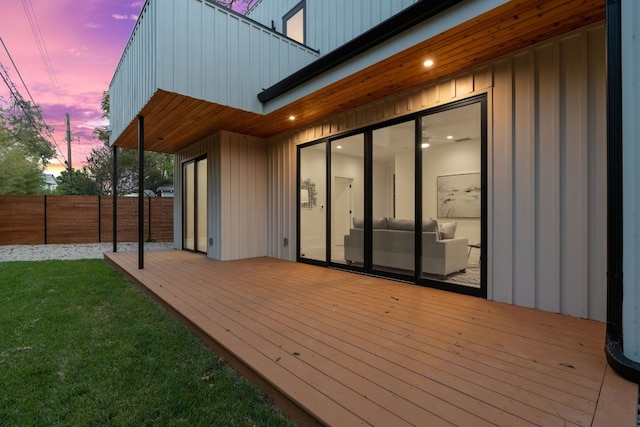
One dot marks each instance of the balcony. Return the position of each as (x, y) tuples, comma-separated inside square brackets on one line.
[(192, 67)]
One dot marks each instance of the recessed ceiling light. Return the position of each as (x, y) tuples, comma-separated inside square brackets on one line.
[(428, 63), (449, 137), (425, 145), (292, 117), (339, 147)]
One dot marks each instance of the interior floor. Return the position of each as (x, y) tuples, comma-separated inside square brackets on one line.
[(469, 277)]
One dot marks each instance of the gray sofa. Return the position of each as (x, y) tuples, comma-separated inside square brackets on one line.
[(393, 247)]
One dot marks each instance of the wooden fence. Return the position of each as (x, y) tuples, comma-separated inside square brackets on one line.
[(37, 220)]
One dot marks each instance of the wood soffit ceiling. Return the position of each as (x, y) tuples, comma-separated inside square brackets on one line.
[(173, 122)]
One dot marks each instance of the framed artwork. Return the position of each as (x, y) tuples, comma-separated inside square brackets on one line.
[(459, 196)]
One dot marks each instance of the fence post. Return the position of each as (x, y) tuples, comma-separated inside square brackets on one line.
[(45, 219), (99, 221)]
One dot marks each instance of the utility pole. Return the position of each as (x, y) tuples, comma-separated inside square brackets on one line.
[(69, 149)]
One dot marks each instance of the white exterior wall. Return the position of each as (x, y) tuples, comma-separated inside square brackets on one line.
[(631, 177), (546, 170), (236, 194), (326, 29), (201, 50)]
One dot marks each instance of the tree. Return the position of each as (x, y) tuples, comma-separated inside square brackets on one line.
[(241, 6), (158, 167), (27, 128), (18, 174), (81, 184), (23, 150)]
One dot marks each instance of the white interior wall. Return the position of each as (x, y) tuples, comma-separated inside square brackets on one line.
[(451, 159)]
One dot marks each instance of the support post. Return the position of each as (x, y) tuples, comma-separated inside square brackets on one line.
[(140, 192), (114, 194)]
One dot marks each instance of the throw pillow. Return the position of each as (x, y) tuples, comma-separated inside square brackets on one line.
[(401, 224), (448, 230), (358, 222), (381, 223), (430, 225)]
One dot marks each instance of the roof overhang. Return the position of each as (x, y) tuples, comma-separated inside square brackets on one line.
[(174, 121)]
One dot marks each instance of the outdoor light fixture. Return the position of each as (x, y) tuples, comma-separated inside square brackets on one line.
[(428, 63), (292, 118)]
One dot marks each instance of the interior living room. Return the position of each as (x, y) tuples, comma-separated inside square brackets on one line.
[(380, 196)]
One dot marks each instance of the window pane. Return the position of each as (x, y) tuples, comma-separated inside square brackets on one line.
[(188, 204), (313, 172), (295, 26), (347, 204), (394, 198), (202, 205), (451, 195)]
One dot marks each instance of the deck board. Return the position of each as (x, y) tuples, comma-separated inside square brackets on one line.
[(349, 349)]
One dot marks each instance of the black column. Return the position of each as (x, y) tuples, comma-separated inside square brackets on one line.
[(114, 194), (140, 192), (614, 343)]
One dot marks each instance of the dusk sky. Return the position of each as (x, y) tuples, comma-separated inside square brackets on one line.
[(84, 40)]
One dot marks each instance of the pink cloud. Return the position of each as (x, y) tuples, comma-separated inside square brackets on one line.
[(119, 17)]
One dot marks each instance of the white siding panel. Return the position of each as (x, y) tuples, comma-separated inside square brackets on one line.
[(243, 183), (575, 232), (547, 170), (548, 206), (597, 134), (502, 211), (524, 146)]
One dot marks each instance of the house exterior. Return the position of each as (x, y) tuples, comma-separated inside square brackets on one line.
[(464, 145)]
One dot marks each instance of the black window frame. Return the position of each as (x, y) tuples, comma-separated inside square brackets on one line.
[(300, 6)]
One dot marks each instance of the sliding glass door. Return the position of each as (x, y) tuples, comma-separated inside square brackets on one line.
[(347, 200), (194, 205), (312, 173), (402, 199), (451, 147), (393, 198)]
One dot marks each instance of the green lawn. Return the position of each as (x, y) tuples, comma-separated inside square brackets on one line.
[(80, 346)]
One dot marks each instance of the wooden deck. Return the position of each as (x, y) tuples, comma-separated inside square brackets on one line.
[(342, 349)]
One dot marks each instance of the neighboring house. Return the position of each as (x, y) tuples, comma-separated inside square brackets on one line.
[(484, 122), (49, 182), (165, 191)]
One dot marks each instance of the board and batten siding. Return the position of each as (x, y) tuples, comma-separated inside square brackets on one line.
[(330, 23), (236, 194), (546, 170)]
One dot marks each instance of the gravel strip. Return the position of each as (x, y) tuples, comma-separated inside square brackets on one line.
[(70, 251)]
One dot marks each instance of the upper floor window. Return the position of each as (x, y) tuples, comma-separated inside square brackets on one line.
[(293, 23)]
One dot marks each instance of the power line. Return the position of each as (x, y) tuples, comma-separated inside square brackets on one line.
[(19, 100), (42, 47), (49, 133)]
